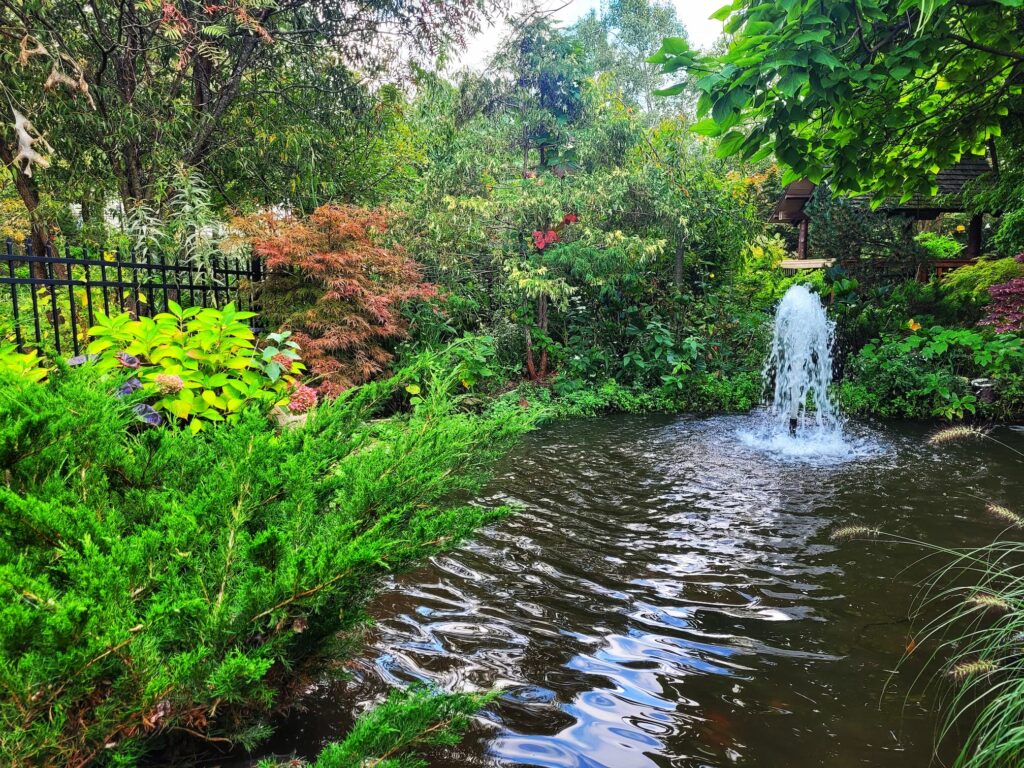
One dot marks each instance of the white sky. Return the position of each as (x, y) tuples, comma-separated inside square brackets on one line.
[(693, 13)]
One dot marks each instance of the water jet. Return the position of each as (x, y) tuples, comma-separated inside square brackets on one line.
[(799, 365)]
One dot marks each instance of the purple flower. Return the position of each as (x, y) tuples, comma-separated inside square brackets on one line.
[(147, 414), (81, 360), (129, 386), (128, 361)]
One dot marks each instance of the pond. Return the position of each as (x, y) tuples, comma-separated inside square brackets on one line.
[(668, 595)]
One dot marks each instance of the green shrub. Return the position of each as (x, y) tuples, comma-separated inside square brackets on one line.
[(927, 373), (965, 290), (715, 393), (198, 365), (406, 721), (157, 582), (939, 246)]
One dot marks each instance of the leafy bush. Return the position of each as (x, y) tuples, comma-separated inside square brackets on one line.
[(965, 290), (157, 583), (928, 373), (715, 393), (26, 365), (337, 289), (199, 365), (938, 246)]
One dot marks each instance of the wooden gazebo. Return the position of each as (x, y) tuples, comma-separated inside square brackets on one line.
[(949, 198)]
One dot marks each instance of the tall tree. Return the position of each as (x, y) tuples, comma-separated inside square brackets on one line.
[(877, 95), (619, 40), (147, 85)]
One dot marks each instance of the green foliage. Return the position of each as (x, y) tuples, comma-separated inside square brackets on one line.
[(199, 365), (870, 246), (939, 246), (927, 373), (388, 734), (24, 365), (155, 581), (878, 95), (965, 290)]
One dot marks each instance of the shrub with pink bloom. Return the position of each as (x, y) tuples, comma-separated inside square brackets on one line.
[(302, 399), (168, 383)]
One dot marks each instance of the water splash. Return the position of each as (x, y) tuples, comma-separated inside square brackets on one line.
[(803, 423), (800, 363)]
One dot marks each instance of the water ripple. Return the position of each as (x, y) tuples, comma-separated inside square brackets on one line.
[(667, 595)]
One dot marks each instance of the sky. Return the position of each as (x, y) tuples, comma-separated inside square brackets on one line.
[(693, 13)]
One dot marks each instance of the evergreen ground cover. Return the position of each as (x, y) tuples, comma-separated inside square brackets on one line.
[(160, 584)]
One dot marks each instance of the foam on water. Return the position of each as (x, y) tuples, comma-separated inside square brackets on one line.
[(816, 446)]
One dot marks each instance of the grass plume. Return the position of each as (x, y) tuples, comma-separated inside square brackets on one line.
[(956, 434), (989, 603), (1005, 514), (968, 670), (848, 532)]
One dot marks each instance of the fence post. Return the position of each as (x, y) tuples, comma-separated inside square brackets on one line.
[(14, 292)]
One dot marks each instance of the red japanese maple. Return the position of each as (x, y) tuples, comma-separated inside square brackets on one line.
[(339, 290)]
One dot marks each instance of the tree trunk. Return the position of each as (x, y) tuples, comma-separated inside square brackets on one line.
[(531, 369), (974, 237), (679, 262), (542, 323), (28, 191)]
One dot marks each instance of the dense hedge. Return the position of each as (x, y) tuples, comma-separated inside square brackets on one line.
[(158, 583)]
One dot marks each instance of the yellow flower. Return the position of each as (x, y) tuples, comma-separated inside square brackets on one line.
[(712, 275), (913, 325), (961, 228)]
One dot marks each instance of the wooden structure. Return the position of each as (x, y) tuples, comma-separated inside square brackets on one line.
[(790, 210), (948, 199)]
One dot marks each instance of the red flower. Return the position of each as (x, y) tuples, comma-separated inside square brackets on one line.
[(550, 237), (570, 218), (539, 239)]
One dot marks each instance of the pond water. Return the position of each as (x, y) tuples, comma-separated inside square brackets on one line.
[(668, 595)]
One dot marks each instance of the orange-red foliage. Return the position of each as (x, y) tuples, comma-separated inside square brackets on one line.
[(336, 289)]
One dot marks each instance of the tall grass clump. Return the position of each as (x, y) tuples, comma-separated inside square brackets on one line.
[(159, 585), (976, 625)]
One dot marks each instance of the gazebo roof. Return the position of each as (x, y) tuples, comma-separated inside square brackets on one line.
[(948, 199)]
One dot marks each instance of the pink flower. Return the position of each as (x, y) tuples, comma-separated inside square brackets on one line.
[(570, 218), (283, 360), (550, 237), (302, 399), (168, 383), (539, 239)]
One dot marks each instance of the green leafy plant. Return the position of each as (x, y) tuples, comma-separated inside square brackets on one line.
[(157, 583), (200, 365), (939, 246), (927, 373), (25, 365)]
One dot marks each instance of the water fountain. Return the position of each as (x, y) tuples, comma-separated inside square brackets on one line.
[(802, 423), (800, 362)]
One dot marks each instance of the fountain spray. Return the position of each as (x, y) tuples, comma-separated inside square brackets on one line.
[(800, 363)]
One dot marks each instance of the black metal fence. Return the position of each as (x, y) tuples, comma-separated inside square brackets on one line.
[(52, 299)]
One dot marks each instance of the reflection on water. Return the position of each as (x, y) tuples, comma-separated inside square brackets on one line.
[(668, 596)]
